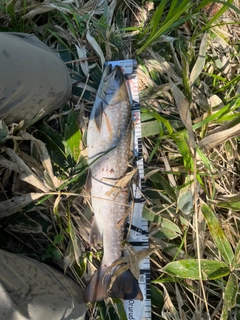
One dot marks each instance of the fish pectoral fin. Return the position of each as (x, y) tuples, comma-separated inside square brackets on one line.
[(125, 286), (98, 115), (95, 236)]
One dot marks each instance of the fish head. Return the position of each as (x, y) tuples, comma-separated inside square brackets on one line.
[(114, 87)]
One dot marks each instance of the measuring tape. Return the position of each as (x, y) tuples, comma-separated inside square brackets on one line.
[(135, 309)]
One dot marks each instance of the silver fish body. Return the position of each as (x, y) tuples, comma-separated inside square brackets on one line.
[(109, 140)]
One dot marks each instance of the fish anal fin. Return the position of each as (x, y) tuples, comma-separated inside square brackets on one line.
[(97, 289), (98, 116), (95, 236)]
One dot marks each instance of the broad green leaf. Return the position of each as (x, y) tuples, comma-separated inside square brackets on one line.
[(150, 128), (54, 144), (230, 296), (83, 260), (120, 308), (218, 235), (56, 255), (188, 269), (168, 229), (181, 140), (230, 204), (165, 233), (157, 297), (185, 200), (58, 239), (72, 136), (159, 182), (159, 118)]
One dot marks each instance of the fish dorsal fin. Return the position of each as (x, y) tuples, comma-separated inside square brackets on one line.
[(98, 114)]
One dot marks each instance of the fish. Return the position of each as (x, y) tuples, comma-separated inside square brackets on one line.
[(109, 149)]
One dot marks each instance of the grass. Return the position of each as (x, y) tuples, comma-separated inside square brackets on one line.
[(188, 55)]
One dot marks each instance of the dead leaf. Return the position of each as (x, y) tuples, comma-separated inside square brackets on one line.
[(123, 182), (25, 225), (82, 55), (184, 110), (169, 312), (96, 47), (215, 139), (46, 161), (13, 205), (26, 174), (199, 64)]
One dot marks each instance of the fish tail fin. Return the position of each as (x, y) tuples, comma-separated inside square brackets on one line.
[(125, 286)]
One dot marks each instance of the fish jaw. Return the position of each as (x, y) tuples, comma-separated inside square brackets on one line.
[(114, 88)]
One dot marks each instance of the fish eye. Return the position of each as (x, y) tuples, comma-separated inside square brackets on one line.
[(117, 76)]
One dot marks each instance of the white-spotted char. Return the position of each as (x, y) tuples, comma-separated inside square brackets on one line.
[(109, 144)]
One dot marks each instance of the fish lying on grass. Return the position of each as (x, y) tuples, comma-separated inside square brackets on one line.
[(109, 140)]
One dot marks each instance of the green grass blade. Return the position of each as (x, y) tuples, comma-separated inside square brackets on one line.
[(218, 235), (164, 28), (159, 119), (72, 136), (218, 15), (157, 17), (230, 296)]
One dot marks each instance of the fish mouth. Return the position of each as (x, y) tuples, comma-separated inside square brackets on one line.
[(111, 72)]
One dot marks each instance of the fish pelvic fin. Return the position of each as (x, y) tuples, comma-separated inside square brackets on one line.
[(95, 236), (125, 286), (88, 183)]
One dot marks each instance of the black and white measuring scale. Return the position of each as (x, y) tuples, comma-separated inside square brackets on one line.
[(135, 309)]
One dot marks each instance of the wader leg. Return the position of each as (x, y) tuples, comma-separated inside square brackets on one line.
[(33, 80), (33, 290)]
